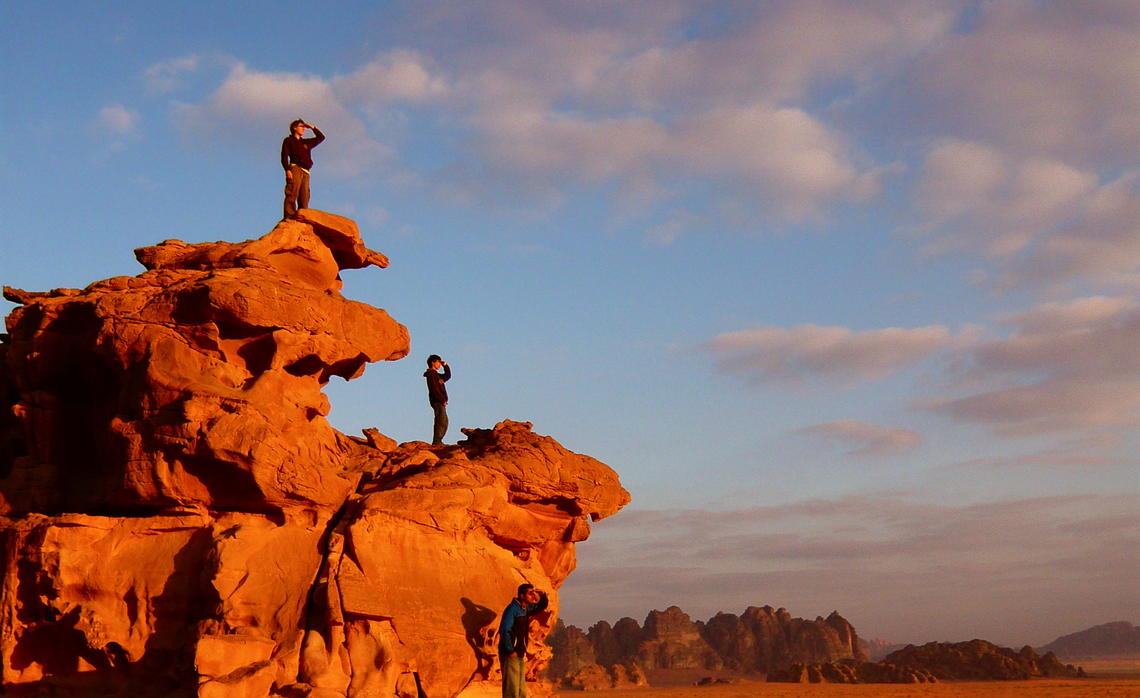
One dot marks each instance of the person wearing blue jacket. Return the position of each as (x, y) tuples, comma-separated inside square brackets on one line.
[(514, 629)]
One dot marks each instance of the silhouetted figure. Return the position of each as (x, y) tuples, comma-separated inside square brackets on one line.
[(437, 395), (514, 630), (297, 160)]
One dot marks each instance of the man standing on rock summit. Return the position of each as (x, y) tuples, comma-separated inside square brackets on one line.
[(297, 161), (514, 630), (437, 395)]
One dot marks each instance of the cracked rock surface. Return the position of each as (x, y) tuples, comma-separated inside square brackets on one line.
[(179, 518)]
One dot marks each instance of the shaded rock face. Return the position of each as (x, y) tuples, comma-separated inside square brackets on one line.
[(978, 660), (670, 640), (760, 640), (763, 639), (573, 653), (181, 519)]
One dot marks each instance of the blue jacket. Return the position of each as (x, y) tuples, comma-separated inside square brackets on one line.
[(514, 626)]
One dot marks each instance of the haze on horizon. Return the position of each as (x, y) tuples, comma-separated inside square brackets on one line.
[(848, 293)]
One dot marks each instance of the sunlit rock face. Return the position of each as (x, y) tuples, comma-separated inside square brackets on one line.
[(181, 519)]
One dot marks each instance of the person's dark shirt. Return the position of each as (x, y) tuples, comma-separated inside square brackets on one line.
[(295, 151), (437, 393)]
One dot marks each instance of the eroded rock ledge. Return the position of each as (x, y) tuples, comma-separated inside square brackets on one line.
[(181, 519)]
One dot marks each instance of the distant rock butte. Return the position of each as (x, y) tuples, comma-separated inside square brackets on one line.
[(181, 519)]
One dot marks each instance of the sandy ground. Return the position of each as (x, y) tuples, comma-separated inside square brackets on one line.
[(1043, 688)]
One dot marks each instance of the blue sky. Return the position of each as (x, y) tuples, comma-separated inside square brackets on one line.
[(848, 293)]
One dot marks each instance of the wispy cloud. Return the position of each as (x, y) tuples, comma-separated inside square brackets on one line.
[(1055, 80), (118, 120), (1041, 219), (867, 439), (1064, 366), (813, 352), (166, 76)]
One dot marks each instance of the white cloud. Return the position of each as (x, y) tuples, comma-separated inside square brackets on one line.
[(815, 352), (868, 439), (614, 93), (399, 75), (118, 120), (1041, 220), (257, 107)]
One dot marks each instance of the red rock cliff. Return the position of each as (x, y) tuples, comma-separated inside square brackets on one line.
[(181, 519)]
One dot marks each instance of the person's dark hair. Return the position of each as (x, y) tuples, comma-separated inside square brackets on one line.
[(433, 358), (524, 588), (294, 124)]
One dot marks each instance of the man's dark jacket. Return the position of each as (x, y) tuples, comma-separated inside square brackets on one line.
[(514, 626), (437, 393), (295, 151)]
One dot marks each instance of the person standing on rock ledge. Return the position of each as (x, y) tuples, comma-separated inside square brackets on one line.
[(514, 630), (437, 395), (297, 160)]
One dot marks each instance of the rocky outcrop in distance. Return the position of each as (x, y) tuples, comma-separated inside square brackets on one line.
[(179, 518), (976, 660), (1119, 639), (760, 640)]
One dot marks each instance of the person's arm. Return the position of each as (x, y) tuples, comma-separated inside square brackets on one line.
[(543, 602), (446, 373), (317, 136), (285, 155)]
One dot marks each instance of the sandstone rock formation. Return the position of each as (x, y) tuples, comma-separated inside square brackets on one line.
[(763, 639), (670, 640), (181, 519), (760, 640)]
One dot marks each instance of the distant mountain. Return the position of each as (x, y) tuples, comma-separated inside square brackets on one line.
[(877, 648), (1117, 639)]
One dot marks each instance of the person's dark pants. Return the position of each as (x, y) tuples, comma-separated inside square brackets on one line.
[(440, 426), (514, 676), (296, 191)]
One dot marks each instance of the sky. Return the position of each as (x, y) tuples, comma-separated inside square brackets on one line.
[(847, 293)]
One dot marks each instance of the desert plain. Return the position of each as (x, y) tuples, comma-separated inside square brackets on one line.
[(1041, 688), (1116, 678)]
